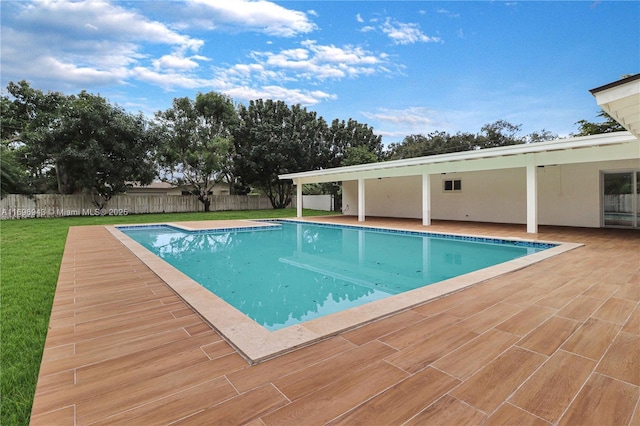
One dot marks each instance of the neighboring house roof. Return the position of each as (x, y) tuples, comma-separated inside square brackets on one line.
[(167, 188), (155, 185), (154, 188), (621, 100)]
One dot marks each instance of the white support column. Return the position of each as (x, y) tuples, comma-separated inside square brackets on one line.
[(426, 199), (298, 199), (532, 197), (361, 200)]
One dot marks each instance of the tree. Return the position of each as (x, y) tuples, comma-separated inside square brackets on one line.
[(197, 142), (498, 133), (541, 136), (11, 172), (273, 139), (27, 117), (84, 141), (358, 155), (347, 136), (432, 144), (99, 148), (609, 125), (347, 144), (13, 178)]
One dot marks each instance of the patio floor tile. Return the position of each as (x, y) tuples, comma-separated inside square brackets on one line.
[(557, 342)]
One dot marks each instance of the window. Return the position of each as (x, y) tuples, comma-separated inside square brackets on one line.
[(452, 185)]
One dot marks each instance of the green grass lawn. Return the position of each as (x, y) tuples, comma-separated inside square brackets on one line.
[(30, 255)]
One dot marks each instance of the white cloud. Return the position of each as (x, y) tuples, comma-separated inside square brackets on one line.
[(398, 123), (291, 96), (175, 62), (260, 15), (24, 57), (348, 54), (289, 55), (74, 45), (169, 81), (310, 62), (53, 68), (411, 116), (448, 13), (247, 73), (318, 62), (242, 81), (359, 18), (403, 33), (267, 73), (85, 43), (97, 19)]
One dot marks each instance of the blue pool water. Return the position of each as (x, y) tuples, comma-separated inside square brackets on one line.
[(293, 272)]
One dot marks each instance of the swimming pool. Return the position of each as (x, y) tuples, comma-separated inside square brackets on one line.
[(288, 273), (255, 342)]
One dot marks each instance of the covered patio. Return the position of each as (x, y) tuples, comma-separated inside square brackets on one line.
[(617, 150)]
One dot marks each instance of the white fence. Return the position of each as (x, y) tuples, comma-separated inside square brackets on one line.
[(316, 202), (55, 205)]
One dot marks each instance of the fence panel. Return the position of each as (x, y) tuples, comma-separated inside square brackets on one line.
[(318, 202), (15, 206)]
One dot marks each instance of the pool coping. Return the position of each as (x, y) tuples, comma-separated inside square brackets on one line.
[(256, 344)]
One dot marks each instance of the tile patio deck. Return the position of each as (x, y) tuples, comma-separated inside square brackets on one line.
[(557, 342)]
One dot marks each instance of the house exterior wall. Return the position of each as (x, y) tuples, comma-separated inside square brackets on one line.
[(568, 195), (486, 196)]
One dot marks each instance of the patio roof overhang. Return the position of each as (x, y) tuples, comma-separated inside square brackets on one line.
[(604, 147), (621, 100)]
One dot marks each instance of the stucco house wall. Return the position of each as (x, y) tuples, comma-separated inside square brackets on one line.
[(486, 196), (568, 195)]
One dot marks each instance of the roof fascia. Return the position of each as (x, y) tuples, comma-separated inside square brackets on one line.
[(501, 157), (618, 93), (620, 82), (569, 156)]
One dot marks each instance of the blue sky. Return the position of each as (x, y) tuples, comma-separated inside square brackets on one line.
[(402, 67)]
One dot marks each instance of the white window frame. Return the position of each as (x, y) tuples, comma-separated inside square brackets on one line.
[(452, 184)]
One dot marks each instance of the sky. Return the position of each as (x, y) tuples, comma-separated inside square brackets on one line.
[(401, 67)]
